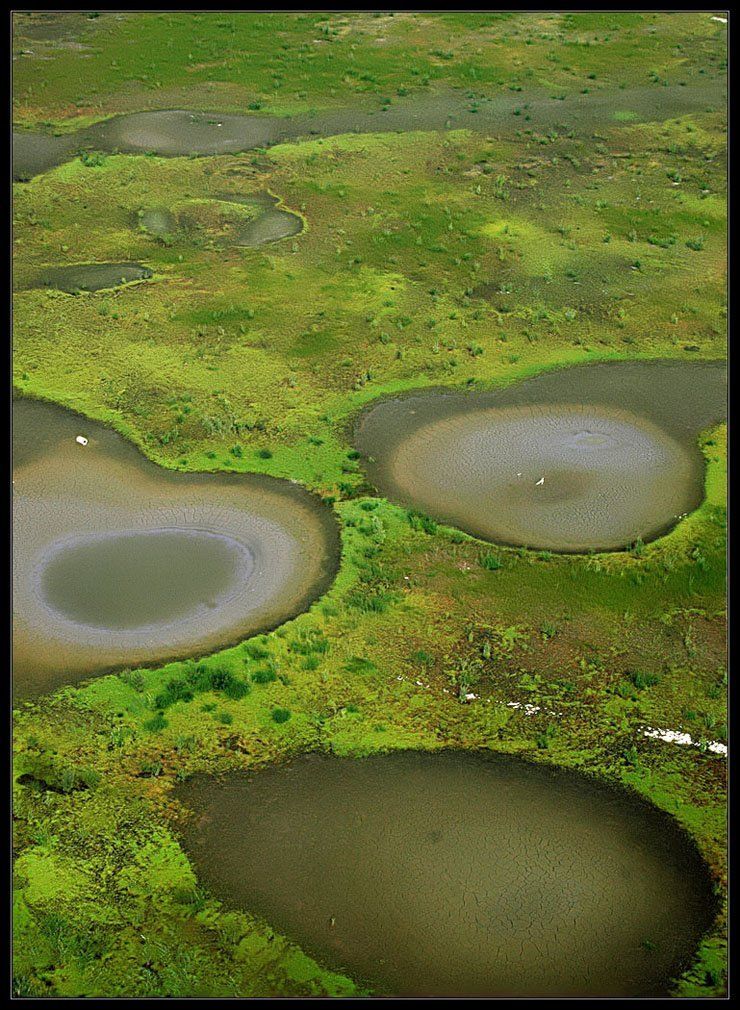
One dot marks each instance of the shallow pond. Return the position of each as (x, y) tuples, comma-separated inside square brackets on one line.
[(456, 874), (172, 132), (90, 276), (592, 457), (119, 562), (265, 221), (271, 225)]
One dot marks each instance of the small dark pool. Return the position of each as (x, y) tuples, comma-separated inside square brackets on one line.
[(91, 276)]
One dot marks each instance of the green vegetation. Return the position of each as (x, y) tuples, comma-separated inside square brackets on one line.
[(283, 63), (427, 259)]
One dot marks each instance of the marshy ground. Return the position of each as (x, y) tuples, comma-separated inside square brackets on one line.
[(470, 202)]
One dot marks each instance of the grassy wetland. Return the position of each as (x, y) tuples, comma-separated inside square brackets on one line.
[(401, 206)]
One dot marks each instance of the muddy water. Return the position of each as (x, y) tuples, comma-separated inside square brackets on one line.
[(585, 458), (271, 225), (55, 26), (99, 580), (456, 874), (35, 153), (90, 276), (181, 132), (119, 562)]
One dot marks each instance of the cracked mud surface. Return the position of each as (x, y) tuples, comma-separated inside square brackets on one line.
[(458, 874)]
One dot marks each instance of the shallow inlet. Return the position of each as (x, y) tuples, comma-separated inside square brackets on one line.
[(119, 562), (592, 457), (177, 132), (456, 874)]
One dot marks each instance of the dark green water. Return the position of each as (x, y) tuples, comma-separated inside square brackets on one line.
[(132, 579), (591, 457), (456, 874)]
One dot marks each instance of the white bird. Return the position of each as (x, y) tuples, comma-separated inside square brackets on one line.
[(540, 481)]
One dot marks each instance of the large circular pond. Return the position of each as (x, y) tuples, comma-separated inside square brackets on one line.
[(118, 562), (456, 874), (587, 458)]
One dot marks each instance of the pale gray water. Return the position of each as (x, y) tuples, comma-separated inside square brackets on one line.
[(271, 225), (592, 457), (456, 874)]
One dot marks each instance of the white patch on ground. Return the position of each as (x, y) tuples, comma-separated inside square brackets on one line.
[(526, 708), (684, 740)]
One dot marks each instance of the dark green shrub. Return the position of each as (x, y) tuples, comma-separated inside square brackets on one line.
[(264, 676), (175, 690), (489, 561), (419, 521), (642, 680), (157, 723), (371, 601), (256, 650), (358, 664)]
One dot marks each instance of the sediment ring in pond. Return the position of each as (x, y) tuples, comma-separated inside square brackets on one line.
[(119, 562), (456, 874), (532, 465)]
